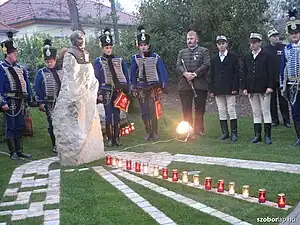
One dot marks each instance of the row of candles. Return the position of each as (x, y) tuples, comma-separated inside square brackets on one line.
[(115, 162), (127, 130)]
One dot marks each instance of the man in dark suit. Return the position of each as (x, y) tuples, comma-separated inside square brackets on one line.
[(224, 85), (258, 83), (275, 48), (192, 66)]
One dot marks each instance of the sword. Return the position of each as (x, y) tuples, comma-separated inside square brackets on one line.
[(190, 82)]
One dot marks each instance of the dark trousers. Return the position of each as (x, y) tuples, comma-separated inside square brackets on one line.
[(186, 98), (147, 105), (15, 121), (296, 109), (283, 105), (112, 114), (48, 109)]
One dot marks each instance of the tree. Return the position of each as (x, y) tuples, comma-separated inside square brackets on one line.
[(74, 15), (168, 22), (115, 20)]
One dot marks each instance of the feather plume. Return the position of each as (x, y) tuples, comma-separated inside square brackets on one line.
[(10, 34), (140, 27)]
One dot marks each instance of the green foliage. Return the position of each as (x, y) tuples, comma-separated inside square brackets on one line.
[(168, 22)]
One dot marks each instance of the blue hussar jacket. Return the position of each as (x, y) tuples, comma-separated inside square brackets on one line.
[(161, 71), (40, 87), (8, 84), (100, 74)]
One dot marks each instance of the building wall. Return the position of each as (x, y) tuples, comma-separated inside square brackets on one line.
[(53, 30)]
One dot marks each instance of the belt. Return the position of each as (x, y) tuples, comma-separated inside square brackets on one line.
[(16, 95), (49, 98)]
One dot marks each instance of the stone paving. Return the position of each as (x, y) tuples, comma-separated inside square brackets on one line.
[(35, 178), (156, 214), (28, 176), (180, 198)]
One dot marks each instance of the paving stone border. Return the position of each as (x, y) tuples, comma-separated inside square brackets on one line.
[(28, 176), (180, 198), (156, 214), (293, 218)]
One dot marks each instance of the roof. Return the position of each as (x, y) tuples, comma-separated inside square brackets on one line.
[(17, 11), (5, 28)]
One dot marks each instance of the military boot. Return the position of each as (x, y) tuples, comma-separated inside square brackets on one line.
[(12, 149), (257, 133), (297, 129), (268, 133), (148, 130), (233, 125), (109, 135), (224, 129), (116, 136), (155, 136), (19, 147)]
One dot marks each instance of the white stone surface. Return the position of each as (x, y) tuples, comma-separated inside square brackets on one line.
[(76, 120)]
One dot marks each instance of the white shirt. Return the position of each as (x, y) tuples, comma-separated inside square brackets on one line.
[(223, 55), (255, 54)]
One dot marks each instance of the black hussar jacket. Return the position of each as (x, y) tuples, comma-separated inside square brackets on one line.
[(259, 73), (224, 76)]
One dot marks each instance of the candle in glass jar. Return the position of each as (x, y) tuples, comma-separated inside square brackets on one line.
[(165, 173), (145, 168), (114, 161), (108, 160), (281, 201), (261, 195), (185, 178), (220, 187), (137, 167), (208, 183), (128, 164), (155, 171), (120, 163), (196, 180), (231, 188), (174, 175), (245, 192)]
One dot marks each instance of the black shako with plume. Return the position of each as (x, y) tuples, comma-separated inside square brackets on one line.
[(293, 24), (142, 37), (49, 51), (106, 38), (8, 45)]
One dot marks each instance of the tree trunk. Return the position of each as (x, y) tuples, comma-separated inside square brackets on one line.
[(74, 15), (115, 20)]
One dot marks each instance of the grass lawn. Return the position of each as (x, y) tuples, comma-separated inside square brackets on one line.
[(88, 199)]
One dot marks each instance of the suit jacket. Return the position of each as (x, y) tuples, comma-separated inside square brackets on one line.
[(224, 76), (259, 73), (196, 61)]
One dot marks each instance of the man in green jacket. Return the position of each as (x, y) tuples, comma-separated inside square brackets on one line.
[(192, 66)]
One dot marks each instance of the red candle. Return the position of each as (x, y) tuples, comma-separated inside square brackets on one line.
[(281, 201), (165, 173), (261, 195), (220, 187), (137, 167), (208, 183), (128, 165), (132, 126), (123, 132), (108, 160), (126, 130), (174, 175)]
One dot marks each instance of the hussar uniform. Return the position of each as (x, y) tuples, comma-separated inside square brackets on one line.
[(111, 72), (148, 77), (259, 75), (290, 72), (15, 91), (47, 86), (224, 84)]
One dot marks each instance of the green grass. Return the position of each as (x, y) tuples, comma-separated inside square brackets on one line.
[(94, 201), (238, 208), (28, 221), (9, 198), (178, 212), (32, 188), (38, 197), (51, 206), (81, 190)]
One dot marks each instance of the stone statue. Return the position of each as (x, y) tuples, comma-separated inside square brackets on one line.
[(76, 120)]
